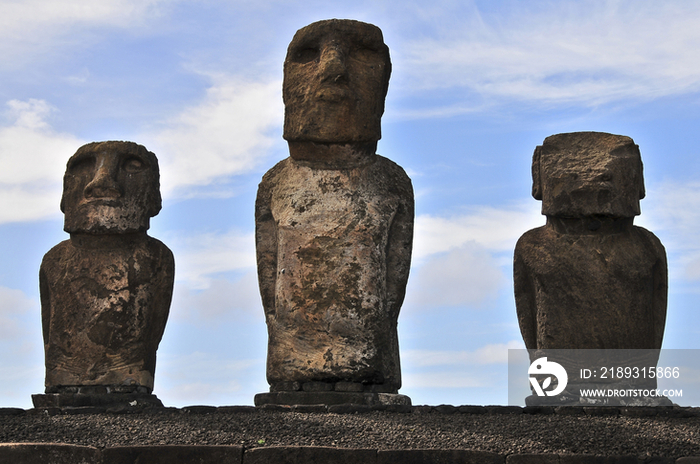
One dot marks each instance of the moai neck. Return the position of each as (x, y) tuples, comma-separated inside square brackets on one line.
[(590, 225), (333, 155), (105, 241)]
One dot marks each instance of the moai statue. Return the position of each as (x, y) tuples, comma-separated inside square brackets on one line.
[(590, 279), (334, 227), (105, 292)]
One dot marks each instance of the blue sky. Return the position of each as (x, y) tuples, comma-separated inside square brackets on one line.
[(476, 85)]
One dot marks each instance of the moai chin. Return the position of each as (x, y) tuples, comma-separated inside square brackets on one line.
[(334, 226), (589, 278), (105, 292)]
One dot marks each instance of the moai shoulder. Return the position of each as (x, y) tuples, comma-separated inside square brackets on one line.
[(105, 292)]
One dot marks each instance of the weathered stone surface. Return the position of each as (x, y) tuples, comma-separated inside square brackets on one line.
[(330, 398), (173, 454), (589, 278), (309, 455), (334, 222), (336, 76), (42, 453), (532, 459), (105, 292), (438, 456)]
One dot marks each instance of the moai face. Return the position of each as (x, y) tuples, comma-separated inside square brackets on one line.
[(336, 76), (586, 174), (110, 188)]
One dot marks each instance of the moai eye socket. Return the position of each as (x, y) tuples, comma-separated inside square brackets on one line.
[(133, 165), (365, 54), (81, 165), (305, 53)]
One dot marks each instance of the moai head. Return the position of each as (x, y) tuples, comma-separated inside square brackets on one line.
[(110, 188), (336, 75), (584, 174)]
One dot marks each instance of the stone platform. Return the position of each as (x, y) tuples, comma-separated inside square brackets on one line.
[(342, 434)]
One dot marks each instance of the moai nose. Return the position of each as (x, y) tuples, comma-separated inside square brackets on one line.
[(104, 184), (333, 66)]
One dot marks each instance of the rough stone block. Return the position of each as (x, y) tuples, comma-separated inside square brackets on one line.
[(175, 454), (532, 459), (349, 387), (317, 386), (436, 456), (591, 459), (35, 453), (309, 455)]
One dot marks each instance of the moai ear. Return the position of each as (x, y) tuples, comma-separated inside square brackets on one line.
[(536, 176), (642, 190)]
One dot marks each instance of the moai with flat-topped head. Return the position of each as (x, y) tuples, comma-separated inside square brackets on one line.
[(589, 278), (334, 227), (105, 292)]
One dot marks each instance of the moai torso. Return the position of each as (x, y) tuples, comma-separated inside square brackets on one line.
[(343, 241), (334, 221), (590, 279), (105, 310), (105, 292), (590, 291)]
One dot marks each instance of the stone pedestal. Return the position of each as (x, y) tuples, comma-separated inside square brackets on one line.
[(330, 398), (330, 393), (98, 396)]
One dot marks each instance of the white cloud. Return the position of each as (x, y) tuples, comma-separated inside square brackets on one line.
[(496, 229), (223, 300), (30, 26), (439, 380), (230, 132), (199, 257), (672, 212), (464, 276), (32, 161), (488, 354), (14, 306), (207, 378), (588, 52)]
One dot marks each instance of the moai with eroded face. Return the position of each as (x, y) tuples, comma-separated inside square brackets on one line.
[(334, 227), (105, 292), (590, 279)]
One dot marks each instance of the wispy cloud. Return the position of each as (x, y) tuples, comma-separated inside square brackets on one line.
[(222, 300), (14, 306), (32, 160), (200, 257), (488, 354), (585, 53), (672, 211), (229, 132), (464, 276), (34, 27), (496, 229)]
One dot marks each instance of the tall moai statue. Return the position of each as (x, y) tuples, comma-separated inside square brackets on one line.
[(590, 279), (105, 292), (334, 227)]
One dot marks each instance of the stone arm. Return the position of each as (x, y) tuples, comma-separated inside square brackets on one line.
[(524, 297), (660, 295), (164, 277), (266, 245), (399, 247), (45, 297)]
